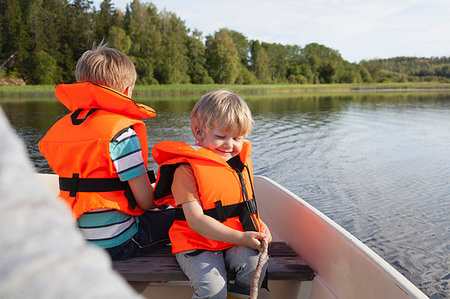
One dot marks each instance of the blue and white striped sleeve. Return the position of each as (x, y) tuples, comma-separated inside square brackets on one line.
[(126, 154)]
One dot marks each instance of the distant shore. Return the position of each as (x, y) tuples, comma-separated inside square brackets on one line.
[(163, 91)]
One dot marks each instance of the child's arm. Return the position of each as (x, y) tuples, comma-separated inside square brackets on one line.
[(213, 229), (125, 151), (143, 191)]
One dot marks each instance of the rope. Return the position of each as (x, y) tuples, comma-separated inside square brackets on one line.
[(257, 274)]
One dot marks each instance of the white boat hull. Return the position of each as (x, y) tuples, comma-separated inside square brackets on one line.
[(344, 266)]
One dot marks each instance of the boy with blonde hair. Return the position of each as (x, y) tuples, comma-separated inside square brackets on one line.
[(108, 67), (217, 228), (100, 151)]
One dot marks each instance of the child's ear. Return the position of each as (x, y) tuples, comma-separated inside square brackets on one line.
[(128, 91), (198, 134)]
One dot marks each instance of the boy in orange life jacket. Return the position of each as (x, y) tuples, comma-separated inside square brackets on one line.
[(217, 228), (100, 151)]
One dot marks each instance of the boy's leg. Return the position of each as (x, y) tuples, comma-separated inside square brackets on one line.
[(243, 261), (153, 230), (124, 250), (206, 272)]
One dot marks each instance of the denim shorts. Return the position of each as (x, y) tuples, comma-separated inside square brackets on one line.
[(153, 233)]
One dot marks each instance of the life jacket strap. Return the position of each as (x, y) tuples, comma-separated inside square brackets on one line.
[(222, 213), (76, 184), (78, 121)]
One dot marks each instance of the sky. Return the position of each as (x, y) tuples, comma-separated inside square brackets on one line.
[(357, 29)]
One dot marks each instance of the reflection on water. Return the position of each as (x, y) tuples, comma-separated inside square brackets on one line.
[(377, 164)]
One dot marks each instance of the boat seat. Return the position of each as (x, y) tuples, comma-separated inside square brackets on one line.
[(161, 266)]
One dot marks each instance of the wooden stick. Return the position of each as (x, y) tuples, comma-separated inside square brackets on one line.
[(256, 276)]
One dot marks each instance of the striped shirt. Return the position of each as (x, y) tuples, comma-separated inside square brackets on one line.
[(108, 228), (126, 154)]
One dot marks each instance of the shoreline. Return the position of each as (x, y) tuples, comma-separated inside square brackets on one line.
[(162, 91)]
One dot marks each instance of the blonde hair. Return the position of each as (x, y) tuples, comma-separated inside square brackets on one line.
[(222, 109), (106, 66)]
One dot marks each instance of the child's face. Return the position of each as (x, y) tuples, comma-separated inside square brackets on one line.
[(224, 144)]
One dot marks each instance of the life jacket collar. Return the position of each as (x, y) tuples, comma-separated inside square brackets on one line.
[(88, 95)]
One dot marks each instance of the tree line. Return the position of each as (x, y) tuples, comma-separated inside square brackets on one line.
[(41, 41)]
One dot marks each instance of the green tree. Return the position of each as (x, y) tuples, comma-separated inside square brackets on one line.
[(326, 64), (142, 25), (144, 70), (365, 75), (173, 65), (242, 45), (45, 69), (245, 76), (196, 55), (67, 64), (44, 21), (297, 79), (443, 71), (79, 27), (262, 66), (104, 20), (279, 56), (13, 40), (373, 68), (119, 39), (222, 57), (255, 46), (305, 71), (10, 26), (327, 71)]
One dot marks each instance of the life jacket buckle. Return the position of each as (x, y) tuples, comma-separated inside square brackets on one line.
[(74, 187), (251, 207), (220, 211)]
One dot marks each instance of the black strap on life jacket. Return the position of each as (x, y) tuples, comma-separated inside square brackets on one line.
[(248, 215), (222, 213), (76, 184), (78, 121)]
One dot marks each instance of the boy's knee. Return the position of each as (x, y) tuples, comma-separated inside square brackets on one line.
[(213, 288), (242, 259)]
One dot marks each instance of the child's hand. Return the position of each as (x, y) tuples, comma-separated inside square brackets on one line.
[(252, 240)]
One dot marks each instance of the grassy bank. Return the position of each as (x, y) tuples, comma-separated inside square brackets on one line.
[(182, 90)]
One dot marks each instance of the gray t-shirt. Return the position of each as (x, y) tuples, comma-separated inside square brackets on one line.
[(42, 254)]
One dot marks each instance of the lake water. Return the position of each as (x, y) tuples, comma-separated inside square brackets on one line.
[(378, 164)]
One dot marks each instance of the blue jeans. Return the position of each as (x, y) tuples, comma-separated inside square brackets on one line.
[(207, 270), (153, 233)]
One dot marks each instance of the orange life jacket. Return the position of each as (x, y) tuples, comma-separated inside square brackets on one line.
[(225, 191), (77, 146)]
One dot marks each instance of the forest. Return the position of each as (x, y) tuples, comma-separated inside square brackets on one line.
[(41, 41)]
